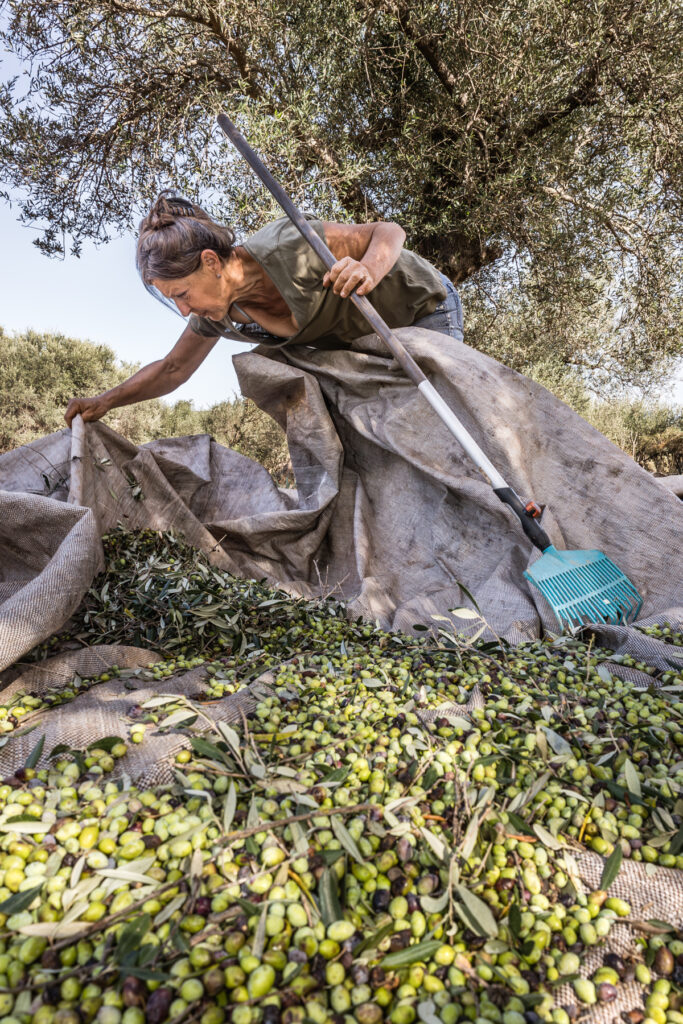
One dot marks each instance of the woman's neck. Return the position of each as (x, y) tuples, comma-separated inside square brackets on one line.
[(245, 279)]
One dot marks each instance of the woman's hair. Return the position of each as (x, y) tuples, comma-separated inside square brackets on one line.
[(173, 236)]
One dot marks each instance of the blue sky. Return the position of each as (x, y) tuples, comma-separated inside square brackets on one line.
[(99, 297)]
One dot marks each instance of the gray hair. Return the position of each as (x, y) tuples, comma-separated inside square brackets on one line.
[(173, 236)]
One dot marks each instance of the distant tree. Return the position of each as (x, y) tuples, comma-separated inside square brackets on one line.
[(39, 373), (534, 146), (651, 432)]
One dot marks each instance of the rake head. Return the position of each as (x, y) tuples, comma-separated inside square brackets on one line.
[(584, 586)]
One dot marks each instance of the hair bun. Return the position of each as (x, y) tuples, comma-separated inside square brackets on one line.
[(167, 209), (173, 236)]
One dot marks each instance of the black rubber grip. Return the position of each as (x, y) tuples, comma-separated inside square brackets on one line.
[(538, 537)]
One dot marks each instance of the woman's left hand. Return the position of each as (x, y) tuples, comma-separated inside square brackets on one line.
[(349, 274)]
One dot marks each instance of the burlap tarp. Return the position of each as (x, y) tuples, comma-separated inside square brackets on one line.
[(387, 512)]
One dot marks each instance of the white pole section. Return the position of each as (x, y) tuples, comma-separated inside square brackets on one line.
[(445, 413)]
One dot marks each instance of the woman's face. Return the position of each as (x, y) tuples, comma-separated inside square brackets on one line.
[(200, 292)]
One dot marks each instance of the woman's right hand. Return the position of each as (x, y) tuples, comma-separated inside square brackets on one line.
[(89, 408)]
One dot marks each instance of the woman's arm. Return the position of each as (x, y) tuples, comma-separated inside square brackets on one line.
[(365, 254), (152, 381)]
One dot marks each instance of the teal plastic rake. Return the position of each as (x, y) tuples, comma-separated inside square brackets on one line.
[(578, 585), (584, 586)]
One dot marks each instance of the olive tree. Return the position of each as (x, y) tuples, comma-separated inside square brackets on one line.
[(531, 148)]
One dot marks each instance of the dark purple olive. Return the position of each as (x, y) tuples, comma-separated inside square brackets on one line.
[(134, 991), (203, 906), (664, 961), (158, 1005), (381, 898), (377, 976)]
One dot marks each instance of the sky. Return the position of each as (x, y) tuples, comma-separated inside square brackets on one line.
[(100, 297)]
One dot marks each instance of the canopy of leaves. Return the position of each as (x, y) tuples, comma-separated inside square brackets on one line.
[(534, 145)]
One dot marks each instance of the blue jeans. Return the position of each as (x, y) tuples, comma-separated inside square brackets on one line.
[(447, 317)]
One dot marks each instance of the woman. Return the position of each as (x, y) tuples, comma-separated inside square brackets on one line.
[(273, 290)]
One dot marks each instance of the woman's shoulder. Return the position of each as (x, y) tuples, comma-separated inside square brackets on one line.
[(279, 233)]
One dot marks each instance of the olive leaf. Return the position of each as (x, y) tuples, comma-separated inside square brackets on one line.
[(55, 929), (547, 838), (253, 816), (331, 856), (79, 891), (470, 837), (26, 826), (207, 749), (19, 901), (346, 839), (475, 913), (33, 758), (337, 776), (632, 778), (404, 957), (328, 895), (230, 806), (515, 920), (249, 908), (426, 1011), (454, 719), (196, 864), (677, 842), (373, 940), (437, 845), (230, 737), (106, 743), (131, 936), (299, 837), (611, 868), (260, 937), (254, 765), (169, 910), (184, 715), (76, 872), (558, 743), (434, 904)]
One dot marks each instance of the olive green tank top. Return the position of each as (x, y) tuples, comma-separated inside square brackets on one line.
[(411, 290)]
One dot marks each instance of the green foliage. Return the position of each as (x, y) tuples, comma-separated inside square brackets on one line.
[(532, 145), (586, 337), (39, 373), (652, 433)]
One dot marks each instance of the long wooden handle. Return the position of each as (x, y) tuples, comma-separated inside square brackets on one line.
[(402, 357)]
